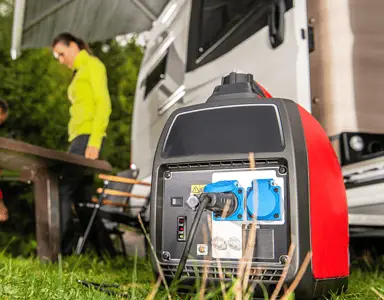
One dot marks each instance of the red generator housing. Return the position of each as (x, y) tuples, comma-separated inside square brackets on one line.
[(210, 142), (329, 231)]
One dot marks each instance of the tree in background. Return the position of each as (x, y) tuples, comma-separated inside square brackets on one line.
[(35, 86)]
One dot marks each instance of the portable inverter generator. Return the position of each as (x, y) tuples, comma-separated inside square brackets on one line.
[(206, 194)]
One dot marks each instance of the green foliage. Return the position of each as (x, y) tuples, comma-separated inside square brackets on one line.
[(35, 87), (35, 90), (122, 65)]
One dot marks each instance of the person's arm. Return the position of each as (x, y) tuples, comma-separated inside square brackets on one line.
[(99, 83)]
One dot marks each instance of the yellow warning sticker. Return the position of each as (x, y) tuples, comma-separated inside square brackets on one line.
[(197, 188)]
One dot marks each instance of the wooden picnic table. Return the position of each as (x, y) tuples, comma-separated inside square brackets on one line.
[(42, 167)]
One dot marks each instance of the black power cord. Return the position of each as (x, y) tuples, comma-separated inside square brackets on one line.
[(206, 199), (215, 202)]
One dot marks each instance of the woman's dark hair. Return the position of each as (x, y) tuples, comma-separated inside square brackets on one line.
[(66, 38), (3, 106)]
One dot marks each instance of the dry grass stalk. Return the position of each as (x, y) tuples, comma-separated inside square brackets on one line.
[(299, 275), (249, 254), (285, 272), (209, 221), (225, 210), (154, 254), (238, 289), (252, 235), (205, 274), (240, 276), (381, 296), (251, 158), (154, 289), (246, 261), (221, 275), (253, 285)]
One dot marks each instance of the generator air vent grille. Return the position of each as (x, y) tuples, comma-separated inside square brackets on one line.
[(221, 164), (268, 274)]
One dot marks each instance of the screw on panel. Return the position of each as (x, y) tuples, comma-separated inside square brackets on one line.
[(166, 255), (282, 170), (283, 259), (239, 216), (167, 175)]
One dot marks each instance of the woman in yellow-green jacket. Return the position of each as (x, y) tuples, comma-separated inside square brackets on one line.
[(90, 109)]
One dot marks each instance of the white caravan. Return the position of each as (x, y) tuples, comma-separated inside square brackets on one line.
[(309, 51), (194, 43)]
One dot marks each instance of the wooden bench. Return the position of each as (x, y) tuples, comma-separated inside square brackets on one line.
[(42, 167)]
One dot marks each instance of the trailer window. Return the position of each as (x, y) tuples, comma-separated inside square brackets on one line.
[(219, 17), (217, 26), (155, 76)]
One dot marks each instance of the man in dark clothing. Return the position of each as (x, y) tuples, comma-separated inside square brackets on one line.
[(77, 186)]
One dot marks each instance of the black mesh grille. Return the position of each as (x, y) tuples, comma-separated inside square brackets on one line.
[(265, 274), (221, 164)]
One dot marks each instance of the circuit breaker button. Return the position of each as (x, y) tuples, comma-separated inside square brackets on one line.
[(193, 202)]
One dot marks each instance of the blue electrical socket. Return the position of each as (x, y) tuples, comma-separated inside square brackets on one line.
[(227, 186), (269, 207)]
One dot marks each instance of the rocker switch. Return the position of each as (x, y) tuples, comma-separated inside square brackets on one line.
[(176, 201)]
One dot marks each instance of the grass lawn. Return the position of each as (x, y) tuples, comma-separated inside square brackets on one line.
[(27, 278)]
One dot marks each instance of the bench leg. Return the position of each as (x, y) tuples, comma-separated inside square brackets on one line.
[(47, 211)]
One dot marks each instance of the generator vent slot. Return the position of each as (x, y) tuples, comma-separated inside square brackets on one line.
[(220, 164), (257, 274)]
